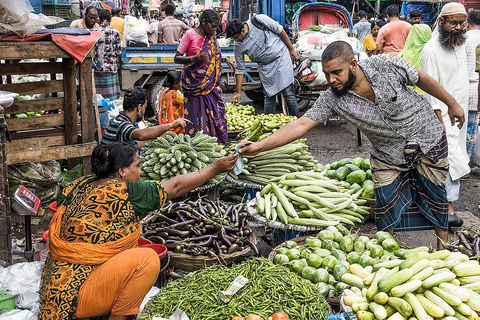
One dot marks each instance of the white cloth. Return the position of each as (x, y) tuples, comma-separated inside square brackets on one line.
[(449, 68), (473, 40)]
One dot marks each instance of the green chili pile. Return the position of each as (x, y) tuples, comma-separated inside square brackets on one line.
[(271, 288)]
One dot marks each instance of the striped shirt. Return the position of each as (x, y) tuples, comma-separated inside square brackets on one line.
[(119, 129), (170, 29)]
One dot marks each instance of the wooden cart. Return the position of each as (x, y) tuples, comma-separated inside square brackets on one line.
[(67, 135)]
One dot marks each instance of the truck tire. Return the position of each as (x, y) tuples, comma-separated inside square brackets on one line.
[(154, 95), (255, 95)]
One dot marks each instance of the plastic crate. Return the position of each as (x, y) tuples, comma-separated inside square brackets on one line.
[(57, 2), (57, 11), (7, 301)]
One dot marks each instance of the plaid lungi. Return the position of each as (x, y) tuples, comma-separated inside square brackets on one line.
[(107, 84), (413, 196)]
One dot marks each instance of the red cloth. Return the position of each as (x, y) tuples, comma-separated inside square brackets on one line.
[(76, 46)]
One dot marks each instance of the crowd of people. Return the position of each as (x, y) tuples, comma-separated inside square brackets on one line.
[(416, 99)]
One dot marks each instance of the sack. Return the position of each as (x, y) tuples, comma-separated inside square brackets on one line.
[(476, 150), (16, 18)]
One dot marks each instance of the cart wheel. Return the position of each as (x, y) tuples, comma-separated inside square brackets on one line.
[(154, 95)]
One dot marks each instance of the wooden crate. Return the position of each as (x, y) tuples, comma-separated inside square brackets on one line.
[(56, 136)]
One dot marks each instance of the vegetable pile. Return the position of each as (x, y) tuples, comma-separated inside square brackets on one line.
[(240, 117), (334, 252), (266, 165), (202, 227), (277, 316), (173, 155), (310, 198), (355, 171), (270, 289), (468, 242), (416, 283), (265, 125)]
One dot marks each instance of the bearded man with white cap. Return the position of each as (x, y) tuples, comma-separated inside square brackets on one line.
[(444, 59)]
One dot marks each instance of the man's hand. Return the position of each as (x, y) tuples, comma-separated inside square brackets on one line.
[(236, 98), (180, 122), (249, 149), (293, 54), (230, 64), (456, 114)]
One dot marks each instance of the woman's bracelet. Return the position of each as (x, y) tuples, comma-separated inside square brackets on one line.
[(201, 175)]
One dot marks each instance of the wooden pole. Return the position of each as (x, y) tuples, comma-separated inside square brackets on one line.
[(95, 104)]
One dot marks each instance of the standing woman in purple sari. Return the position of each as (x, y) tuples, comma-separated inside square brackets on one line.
[(200, 53)]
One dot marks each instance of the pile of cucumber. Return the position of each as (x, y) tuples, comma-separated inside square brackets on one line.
[(416, 283), (293, 157), (355, 171), (174, 155), (310, 198)]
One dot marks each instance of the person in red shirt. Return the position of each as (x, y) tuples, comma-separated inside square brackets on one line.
[(392, 36)]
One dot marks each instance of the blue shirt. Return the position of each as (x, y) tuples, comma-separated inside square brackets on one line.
[(361, 29), (271, 54)]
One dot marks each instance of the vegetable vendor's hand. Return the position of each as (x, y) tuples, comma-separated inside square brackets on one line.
[(201, 57), (456, 114), (180, 122), (293, 54), (236, 98), (225, 164), (249, 148)]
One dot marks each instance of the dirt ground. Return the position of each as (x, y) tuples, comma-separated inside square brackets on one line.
[(329, 143)]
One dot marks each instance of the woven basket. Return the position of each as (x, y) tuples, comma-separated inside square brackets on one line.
[(192, 263)]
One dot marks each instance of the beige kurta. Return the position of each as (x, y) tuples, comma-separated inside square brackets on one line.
[(449, 68)]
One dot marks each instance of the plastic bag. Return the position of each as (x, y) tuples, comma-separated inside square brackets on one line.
[(18, 315), (16, 17), (152, 293), (476, 150), (40, 178), (177, 315), (135, 32)]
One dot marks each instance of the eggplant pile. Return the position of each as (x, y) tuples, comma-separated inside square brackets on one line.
[(201, 227), (467, 242)]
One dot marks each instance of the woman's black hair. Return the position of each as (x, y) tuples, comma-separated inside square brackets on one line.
[(133, 97), (108, 158), (233, 27), (209, 16), (172, 78), (373, 24)]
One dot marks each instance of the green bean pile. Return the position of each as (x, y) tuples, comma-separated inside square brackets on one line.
[(271, 289)]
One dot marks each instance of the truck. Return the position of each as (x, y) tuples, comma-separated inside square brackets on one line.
[(146, 67)]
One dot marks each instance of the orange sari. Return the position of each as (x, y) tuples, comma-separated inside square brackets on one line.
[(171, 108)]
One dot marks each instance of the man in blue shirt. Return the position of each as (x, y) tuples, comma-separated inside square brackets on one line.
[(122, 128), (272, 50), (363, 27)]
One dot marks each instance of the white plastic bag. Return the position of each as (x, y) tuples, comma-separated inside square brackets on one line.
[(18, 315), (135, 31), (153, 291), (16, 17)]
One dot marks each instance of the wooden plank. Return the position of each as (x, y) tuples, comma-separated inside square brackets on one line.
[(86, 89), (30, 68), (51, 153), (34, 87), (44, 121), (47, 132), (31, 50), (70, 96), (36, 105), (30, 143)]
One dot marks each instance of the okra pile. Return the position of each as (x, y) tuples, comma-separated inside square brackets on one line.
[(201, 227), (310, 198), (273, 163), (173, 155), (270, 289)]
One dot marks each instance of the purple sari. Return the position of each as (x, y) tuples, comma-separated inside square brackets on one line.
[(204, 105)]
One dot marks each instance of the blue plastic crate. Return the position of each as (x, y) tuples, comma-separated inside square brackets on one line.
[(57, 2)]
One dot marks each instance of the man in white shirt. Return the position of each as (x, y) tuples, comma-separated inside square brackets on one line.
[(444, 59)]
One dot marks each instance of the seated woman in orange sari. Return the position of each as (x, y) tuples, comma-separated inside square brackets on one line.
[(94, 267), (171, 101)]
